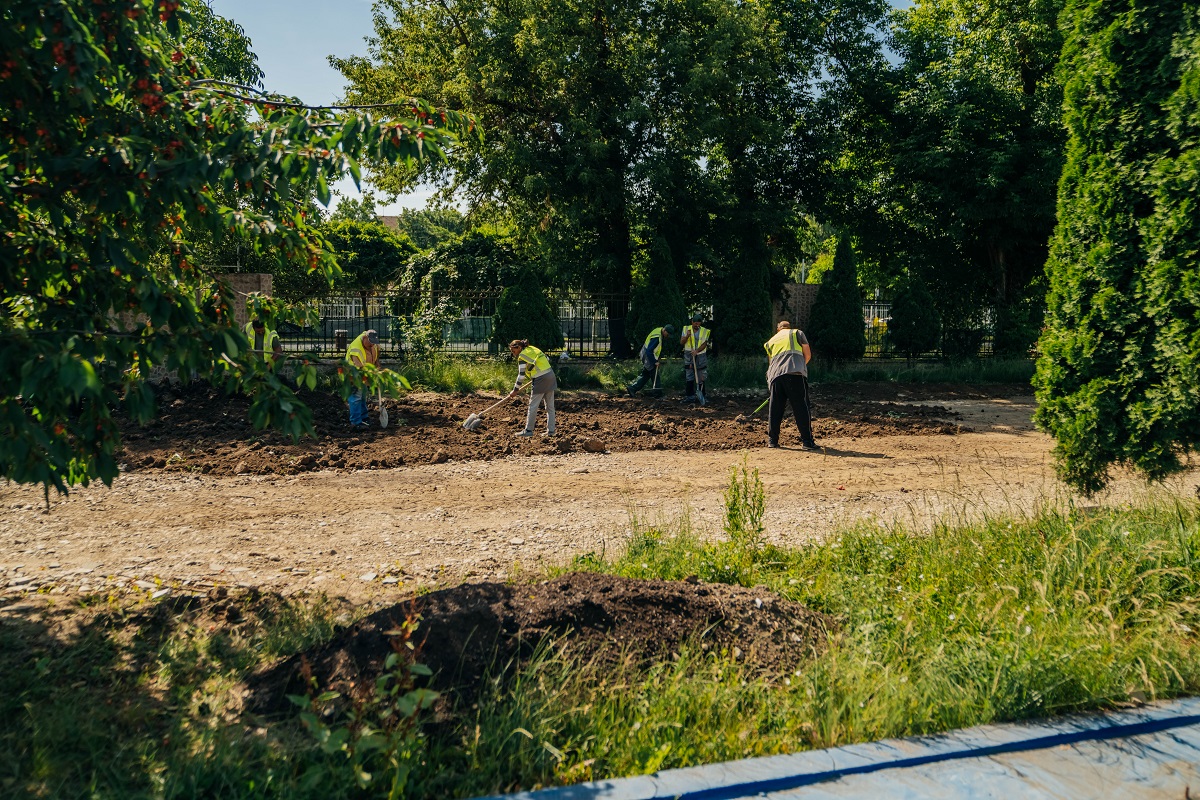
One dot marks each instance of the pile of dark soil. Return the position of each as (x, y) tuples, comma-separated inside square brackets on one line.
[(201, 430), (467, 632)]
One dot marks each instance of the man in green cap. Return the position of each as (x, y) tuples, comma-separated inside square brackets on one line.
[(651, 358)]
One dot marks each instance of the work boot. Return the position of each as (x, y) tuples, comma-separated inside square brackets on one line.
[(691, 398), (524, 435), (809, 445), (548, 435), (773, 444)]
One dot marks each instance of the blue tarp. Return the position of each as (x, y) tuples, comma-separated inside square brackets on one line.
[(1149, 752)]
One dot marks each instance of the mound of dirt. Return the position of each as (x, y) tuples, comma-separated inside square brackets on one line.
[(199, 430), (468, 630)]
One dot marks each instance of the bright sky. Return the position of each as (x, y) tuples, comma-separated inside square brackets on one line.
[(293, 38)]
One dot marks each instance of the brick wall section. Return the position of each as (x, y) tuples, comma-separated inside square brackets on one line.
[(244, 283), (796, 305)]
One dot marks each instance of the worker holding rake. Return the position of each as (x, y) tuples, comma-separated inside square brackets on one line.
[(787, 375), (695, 358), (535, 364)]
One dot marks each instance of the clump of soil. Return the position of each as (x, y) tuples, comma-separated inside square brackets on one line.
[(467, 631), (201, 430)]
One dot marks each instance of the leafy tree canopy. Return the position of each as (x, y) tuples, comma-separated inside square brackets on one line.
[(485, 258), (946, 163), (119, 149), (616, 130), (429, 227)]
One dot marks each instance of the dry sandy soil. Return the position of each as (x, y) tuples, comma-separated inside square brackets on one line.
[(204, 502)]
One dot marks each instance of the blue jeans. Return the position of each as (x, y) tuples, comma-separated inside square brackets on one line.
[(358, 408)]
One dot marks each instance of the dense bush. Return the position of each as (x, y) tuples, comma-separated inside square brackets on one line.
[(524, 313)]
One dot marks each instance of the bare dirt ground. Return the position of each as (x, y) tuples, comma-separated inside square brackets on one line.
[(373, 515)]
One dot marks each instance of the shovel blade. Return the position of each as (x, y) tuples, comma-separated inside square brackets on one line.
[(471, 422), (383, 418)]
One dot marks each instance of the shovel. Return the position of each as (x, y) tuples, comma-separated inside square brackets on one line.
[(383, 417), (696, 377), (655, 390), (745, 418), (475, 420)]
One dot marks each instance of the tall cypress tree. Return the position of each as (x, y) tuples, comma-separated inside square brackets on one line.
[(656, 298), (915, 322), (836, 328), (1117, 380), (524, 313)]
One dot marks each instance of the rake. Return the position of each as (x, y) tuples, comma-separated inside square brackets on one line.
[(745, 418)]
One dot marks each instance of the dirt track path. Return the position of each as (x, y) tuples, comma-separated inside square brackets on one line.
[(367, 533)]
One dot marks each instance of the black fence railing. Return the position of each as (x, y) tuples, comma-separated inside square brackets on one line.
[(445, 322), (459, 322)]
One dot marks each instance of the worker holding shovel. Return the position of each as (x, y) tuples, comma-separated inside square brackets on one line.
[(651, 358), (264, 342), (535, 364), (695, 358), (362, 351)]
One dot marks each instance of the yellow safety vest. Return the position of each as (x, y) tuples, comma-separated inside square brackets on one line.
[(270, 338), (695, 339), (357, 349), (656, 332), (536, 359), (782, 342)]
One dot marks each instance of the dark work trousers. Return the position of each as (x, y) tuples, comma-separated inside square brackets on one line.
[(792, 389)]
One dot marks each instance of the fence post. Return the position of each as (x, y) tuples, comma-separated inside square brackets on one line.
[(339, 341)]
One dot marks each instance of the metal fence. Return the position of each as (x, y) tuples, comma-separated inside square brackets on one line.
[(975, 339), (461, 323), (445, 321)]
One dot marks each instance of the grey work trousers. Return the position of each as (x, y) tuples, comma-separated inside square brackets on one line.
[(543, 393)]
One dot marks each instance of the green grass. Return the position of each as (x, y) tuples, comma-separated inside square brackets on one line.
[(939, 629), (451, 374)]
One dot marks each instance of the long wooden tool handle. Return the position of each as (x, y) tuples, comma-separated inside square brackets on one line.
[(502, 399)]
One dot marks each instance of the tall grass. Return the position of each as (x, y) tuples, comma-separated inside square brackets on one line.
[(937, 629)]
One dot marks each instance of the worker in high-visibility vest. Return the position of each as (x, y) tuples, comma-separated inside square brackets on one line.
[(533, 363), (362, 351), (695, 357), (263, 341), (787, 376), (651, 355)]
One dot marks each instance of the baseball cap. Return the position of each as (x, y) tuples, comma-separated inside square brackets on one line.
[(669, 328), (697, 318), (372, 337)]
